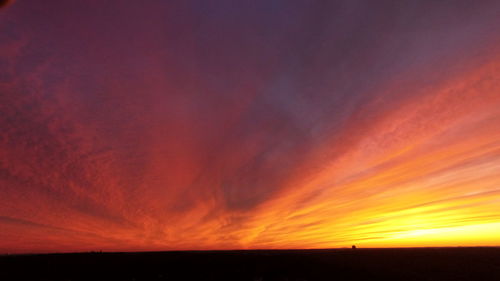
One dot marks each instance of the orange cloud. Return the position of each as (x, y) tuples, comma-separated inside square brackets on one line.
[(427, 171)]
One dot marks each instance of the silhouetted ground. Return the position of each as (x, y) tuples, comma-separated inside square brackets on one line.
[(343, 264)]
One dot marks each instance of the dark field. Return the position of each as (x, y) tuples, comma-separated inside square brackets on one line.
[(342, 264)]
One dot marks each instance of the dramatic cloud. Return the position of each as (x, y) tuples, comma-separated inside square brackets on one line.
[(213, 125)]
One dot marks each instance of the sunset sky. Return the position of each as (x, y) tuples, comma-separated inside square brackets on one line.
[(177, 125)]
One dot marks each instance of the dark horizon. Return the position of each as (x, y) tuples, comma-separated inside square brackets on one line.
[(409, 264), (246, 250)]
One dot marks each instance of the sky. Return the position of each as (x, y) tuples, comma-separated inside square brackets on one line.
[(180, 125)]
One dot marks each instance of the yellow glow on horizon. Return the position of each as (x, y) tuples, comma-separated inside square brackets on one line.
[(467, 235)]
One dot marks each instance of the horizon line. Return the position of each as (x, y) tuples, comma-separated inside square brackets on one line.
[(244, 250)]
